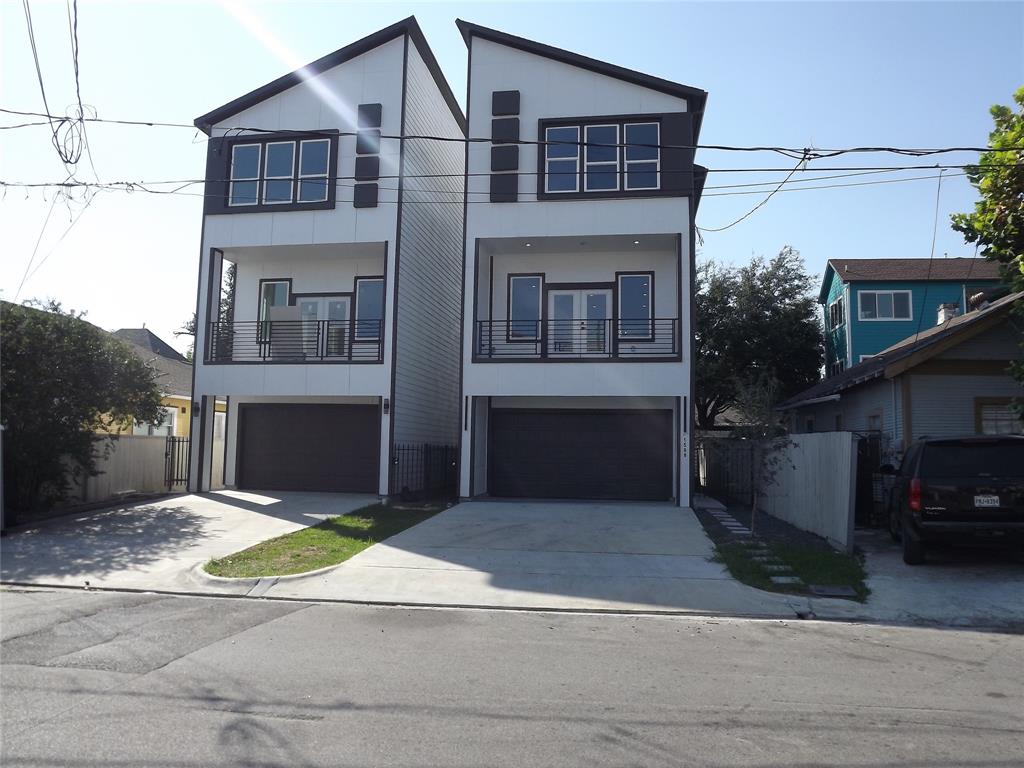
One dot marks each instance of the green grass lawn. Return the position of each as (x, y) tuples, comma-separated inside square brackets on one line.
[(328, 543), (813, 566)]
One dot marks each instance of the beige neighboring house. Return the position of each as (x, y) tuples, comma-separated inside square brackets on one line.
[(174, 376)]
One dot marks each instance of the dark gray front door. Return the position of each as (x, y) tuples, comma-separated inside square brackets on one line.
[(299, 447), (581, 454)]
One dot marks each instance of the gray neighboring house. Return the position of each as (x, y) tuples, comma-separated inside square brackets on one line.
[(951, 379)]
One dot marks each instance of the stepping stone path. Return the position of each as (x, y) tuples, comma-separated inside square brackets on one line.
[(779, 573)]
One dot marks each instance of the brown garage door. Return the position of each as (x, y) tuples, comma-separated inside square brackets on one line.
[(581, 454), (293, 447)]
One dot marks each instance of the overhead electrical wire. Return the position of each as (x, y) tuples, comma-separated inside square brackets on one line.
[(809, 153)]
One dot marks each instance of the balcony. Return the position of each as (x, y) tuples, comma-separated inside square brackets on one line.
[(616, 339), (295, 341)]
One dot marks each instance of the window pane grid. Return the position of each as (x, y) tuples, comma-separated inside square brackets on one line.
[(601, 158), (643, 156), (562, 155), (278, 172), (314, 163), (245, 174), (884, 305)]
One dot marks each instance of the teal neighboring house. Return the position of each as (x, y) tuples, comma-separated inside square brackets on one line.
[(871, 304)]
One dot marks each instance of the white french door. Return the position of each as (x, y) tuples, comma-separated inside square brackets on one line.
[(325, 325), (579, 322)]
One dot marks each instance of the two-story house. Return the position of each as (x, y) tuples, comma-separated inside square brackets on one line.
[(577, 370), (329, 277), (871, 304)]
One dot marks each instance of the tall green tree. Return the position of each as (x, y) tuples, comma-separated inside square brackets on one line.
[(226, 309), (997, 223), (759, 320), (62, 381)]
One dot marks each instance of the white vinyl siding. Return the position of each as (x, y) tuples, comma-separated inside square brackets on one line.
[(426, 401)]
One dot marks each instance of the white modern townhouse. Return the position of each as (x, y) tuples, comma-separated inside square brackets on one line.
[(330, 273), (577, 367)]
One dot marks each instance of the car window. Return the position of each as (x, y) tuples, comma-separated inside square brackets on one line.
[(995, 459)]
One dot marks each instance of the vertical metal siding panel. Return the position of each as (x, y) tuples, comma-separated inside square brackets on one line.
[(426, 404)]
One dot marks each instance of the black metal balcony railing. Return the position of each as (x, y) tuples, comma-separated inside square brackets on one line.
[(299, 341), (615, 338)]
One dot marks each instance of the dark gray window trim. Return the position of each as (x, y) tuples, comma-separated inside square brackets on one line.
[(650, 313), (218, 187), (541, 311), (383, 306), (259, 292), (621, 192)]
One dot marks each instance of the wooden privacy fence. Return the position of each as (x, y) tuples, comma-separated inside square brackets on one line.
[(814, 486), (134, 464), (424, 471)]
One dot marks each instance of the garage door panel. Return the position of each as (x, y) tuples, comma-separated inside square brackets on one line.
[(581, 454), (308, 447)]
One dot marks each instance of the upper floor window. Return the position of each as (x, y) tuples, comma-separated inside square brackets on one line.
[(524, 307), (275, 172), (884, 305), (837, 367), (836, 314), (635, 306), (601, 157)]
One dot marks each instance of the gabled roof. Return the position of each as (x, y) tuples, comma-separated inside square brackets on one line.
[(695, 97), (898, 270), (173, 377), (145, 338), (407, 26), (909, 352)]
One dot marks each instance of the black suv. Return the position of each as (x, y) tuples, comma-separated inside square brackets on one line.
[(967, 490)]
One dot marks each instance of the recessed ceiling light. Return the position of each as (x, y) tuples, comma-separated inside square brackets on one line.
[(529, 245), (636, 242)]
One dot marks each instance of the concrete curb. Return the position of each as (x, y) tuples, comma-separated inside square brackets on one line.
[(1011, 627), (200, 575)]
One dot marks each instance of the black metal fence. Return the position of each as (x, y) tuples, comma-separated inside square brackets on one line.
[(176, 462), (330, 341), (424, 471), (567, 339)]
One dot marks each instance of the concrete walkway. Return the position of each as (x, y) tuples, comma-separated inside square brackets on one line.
[(546, 555), (158, 545)]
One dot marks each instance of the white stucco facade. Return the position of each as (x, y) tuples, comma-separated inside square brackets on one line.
[(568, 243)]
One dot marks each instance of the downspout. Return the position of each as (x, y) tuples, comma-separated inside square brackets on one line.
[(892, 383)]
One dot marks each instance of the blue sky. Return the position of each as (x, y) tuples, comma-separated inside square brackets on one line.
[(794, 74)]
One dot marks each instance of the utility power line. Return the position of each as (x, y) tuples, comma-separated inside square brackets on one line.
[(810, 153)]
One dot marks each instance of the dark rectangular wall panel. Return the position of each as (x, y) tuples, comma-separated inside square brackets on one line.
[(368, 141), (367, 168), (504, 187), (504, 103), (369, 116), (364, 196), (505, 130), (505, 158), (677, 153)]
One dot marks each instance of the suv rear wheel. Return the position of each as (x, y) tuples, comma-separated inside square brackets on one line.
[(913, 548)]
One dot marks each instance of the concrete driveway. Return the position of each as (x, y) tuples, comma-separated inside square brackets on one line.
[(157, 545), (956, 587), (554, 555)]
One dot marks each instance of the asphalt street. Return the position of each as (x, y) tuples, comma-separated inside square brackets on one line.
[(118, 679)]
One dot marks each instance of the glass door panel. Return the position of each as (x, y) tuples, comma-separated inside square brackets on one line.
[(337, 326), (578, 322), (309, 313)]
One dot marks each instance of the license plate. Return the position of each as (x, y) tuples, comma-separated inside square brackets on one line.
[(986, 501)]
